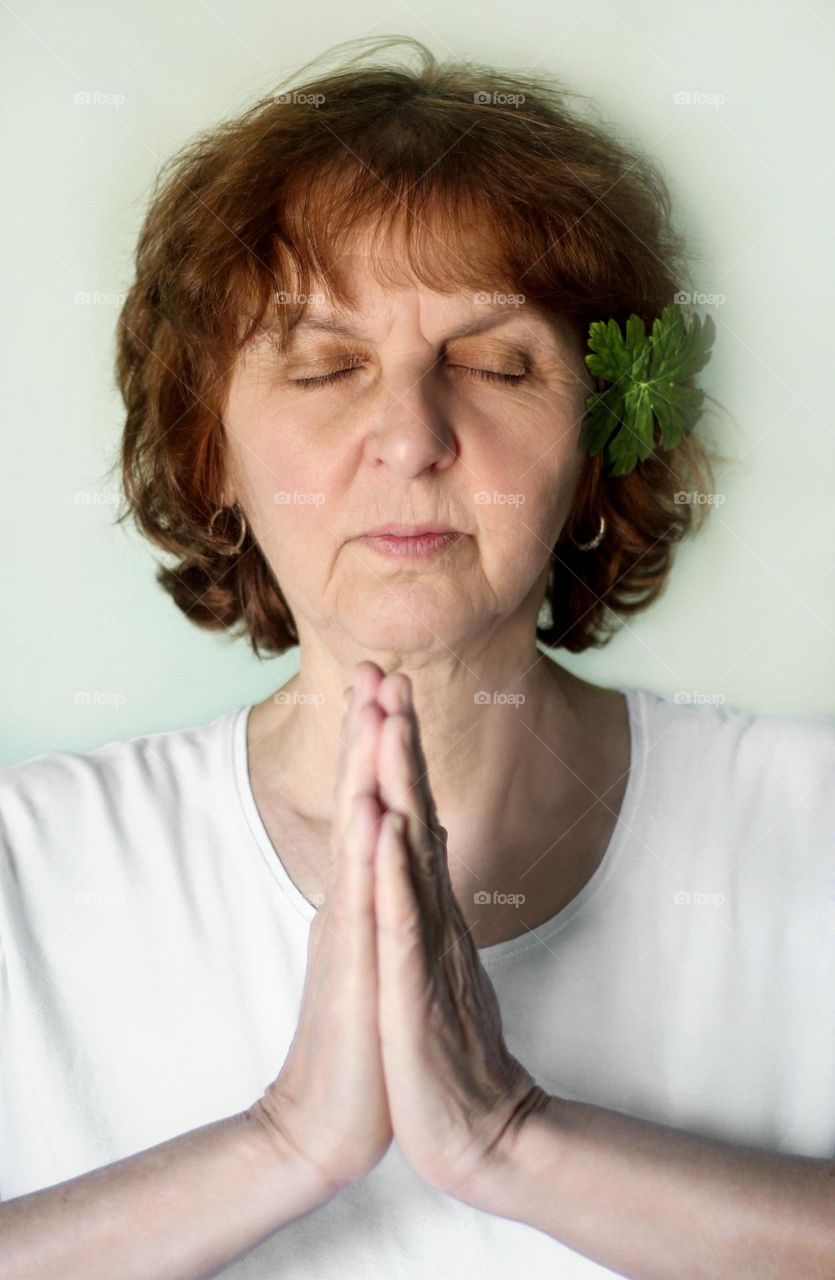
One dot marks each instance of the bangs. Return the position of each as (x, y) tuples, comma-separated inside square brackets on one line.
[(441, 238), (419, 210)]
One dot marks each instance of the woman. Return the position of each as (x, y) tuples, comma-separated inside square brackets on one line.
[(251, 1025)]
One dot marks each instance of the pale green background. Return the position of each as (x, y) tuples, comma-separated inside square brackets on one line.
[(750, 611)]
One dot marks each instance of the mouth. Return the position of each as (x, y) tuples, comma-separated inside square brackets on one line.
[(425, 544), (407, 530)]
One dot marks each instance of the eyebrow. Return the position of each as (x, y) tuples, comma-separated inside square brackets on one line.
[(498, 314)]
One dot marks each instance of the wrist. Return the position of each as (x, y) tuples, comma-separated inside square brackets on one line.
[(282, 1156), (527, 1157)]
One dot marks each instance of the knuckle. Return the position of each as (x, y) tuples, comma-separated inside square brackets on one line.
[(404, 928), (345, 914)]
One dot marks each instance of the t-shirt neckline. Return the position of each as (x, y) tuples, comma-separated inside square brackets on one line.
[(498, 951)]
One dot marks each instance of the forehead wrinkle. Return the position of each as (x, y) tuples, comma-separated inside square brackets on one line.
[(497, 314)]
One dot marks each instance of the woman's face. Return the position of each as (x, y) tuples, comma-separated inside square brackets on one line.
[(409, 431)]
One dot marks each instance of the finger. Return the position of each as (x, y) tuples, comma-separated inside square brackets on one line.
[(362, 690), (428, 812), (354, 904), (401, 783), (403, 973), (396, 694), (348, 907), (397, 771), (358, 770), (356, 766)]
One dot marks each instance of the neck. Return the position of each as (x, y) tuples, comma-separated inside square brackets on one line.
[(505, 741)]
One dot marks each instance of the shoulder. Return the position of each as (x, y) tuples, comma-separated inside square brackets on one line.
[(61, 801), (757, 786), (794, 751), (149, 758)]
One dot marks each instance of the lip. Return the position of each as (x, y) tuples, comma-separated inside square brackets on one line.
[(423, 546), (407, 530)]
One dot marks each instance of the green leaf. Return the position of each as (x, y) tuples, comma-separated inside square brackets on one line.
[(646, 373), (607, 341), (677, 409), (637, 349), (677, 354), (603, 419)]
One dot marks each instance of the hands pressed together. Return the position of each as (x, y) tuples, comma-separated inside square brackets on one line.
[(400, 1035), (399, 1032)]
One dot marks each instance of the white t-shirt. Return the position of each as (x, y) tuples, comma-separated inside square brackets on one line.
[(154, 949)]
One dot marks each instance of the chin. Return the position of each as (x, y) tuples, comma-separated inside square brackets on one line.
[(399, 640), (407, 622)]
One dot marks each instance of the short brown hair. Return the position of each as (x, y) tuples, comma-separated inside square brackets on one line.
[(580, 223)]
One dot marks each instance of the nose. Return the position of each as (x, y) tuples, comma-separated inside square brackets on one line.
[(414, 433)]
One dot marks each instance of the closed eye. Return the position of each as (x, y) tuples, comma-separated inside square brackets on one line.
[(489, 375)]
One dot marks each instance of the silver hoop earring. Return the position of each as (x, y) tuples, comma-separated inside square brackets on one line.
[(595, 542), (230, 551)]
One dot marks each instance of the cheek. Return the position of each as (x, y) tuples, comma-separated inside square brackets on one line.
[(549, 499), (530, 472), (519, 520), (552, 473), (532, 433), (297, 542), (283, 467)]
